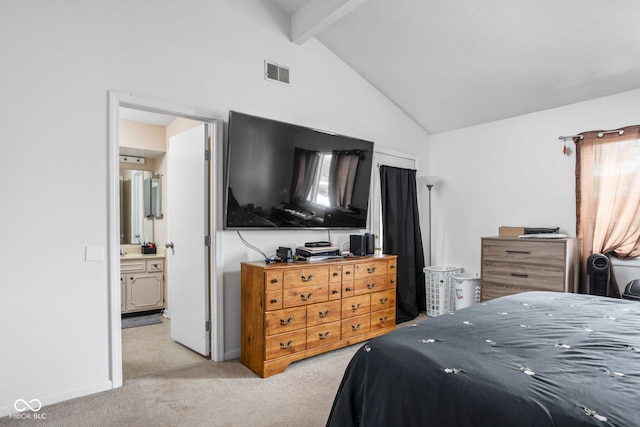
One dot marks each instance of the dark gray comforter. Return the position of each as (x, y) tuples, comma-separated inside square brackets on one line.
[(531, 359)]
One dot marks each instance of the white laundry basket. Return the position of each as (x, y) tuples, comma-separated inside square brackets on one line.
[(439, 289), (466, 290)]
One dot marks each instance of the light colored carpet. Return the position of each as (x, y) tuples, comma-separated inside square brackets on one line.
[(150, 350), (212, 394)]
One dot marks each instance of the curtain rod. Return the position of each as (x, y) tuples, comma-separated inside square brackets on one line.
[(600, 134)]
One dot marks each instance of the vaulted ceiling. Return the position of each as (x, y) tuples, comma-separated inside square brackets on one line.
[(450, 64)]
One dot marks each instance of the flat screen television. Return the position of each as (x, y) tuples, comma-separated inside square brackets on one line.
[(281, 175)]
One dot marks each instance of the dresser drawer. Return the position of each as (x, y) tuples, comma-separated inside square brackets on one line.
[(323, 334), (273, 280), (372, 284), (327, 312), (335, 274), (277, 322), (272, 300), (356, 326), (527, 251), (383, 319), (284, 344), (306, 277), (305, 295), (538, 277), (335, 291), (383, 300), (348, 272), (370, 268), (354, 306)]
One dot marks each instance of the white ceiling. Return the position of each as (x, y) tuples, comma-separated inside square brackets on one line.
[(455, 63)]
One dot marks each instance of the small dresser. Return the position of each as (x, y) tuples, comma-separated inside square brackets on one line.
[(511, 265), (291, 311)]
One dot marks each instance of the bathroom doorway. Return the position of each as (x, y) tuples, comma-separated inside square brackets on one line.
[(124, 342)]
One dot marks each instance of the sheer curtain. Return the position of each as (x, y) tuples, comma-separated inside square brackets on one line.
[(402, 237), (608, 193)]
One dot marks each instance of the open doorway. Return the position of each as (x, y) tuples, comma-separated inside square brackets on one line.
[(204, 295)]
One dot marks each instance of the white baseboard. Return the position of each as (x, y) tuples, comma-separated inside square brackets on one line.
[(234, 354), (8, 408)]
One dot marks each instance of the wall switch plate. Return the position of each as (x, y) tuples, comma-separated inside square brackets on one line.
[(94, 253)]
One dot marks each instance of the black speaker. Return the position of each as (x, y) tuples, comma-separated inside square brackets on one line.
[(598, 275), (370, 240), (357, 245)]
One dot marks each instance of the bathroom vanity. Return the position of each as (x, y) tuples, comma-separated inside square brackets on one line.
[(141, 282)]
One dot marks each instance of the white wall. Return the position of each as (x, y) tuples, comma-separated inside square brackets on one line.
[(512, 172), (60, 59)]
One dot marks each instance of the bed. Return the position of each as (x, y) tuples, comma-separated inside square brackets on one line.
[(530, 359)]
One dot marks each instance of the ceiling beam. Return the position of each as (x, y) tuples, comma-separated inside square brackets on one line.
[(317, 15)]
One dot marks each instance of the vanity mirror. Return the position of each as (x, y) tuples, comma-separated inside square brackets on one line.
[(140, 204)]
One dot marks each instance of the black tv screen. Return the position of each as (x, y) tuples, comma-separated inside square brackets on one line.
[(281, 175)]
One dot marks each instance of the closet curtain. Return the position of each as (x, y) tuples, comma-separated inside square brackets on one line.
[(608, 194), (402, 237)]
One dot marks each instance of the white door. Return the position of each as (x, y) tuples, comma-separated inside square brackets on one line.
[(187, 229)]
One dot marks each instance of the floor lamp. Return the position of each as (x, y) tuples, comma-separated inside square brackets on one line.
[(429, 181)]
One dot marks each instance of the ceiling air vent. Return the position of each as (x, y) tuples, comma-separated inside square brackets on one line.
[(276, 73)]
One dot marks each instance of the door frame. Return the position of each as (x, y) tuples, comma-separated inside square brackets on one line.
[(117, 100)]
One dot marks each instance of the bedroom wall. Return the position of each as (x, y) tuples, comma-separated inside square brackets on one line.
[(512, 172), (61, 59)]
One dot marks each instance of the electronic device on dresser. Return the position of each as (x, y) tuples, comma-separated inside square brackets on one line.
[(357, 245), (282, 175)]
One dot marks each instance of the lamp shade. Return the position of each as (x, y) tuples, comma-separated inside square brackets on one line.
[(429, 180)]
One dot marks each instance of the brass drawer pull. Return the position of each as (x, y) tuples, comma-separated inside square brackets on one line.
[(355, 307), (287, 345), (307, 298), (392, 281), (384, 319), (335, 291), (275, 300), (274, 280), (324, 314), (355, 327), (347, 289), (286, 322), (335, 274), (371, 270), (371, 285), (305, 278), (519, 275), (325, 335), (384, 300), (392, 266), (348, 272), (516, 252)]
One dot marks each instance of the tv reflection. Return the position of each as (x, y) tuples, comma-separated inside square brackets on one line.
[(321, 194)]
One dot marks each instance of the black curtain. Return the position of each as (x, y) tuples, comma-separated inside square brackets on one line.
[(401, 236)]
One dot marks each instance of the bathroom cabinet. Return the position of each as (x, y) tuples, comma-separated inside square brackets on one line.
[(142, 284)]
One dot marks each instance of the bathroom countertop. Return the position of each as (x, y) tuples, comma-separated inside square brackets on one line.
[(138, 256)]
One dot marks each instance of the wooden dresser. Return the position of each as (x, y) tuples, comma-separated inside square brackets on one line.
[(511, 265), (291, 311)]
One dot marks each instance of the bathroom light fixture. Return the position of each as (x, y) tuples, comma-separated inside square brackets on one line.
[(132, 159)]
